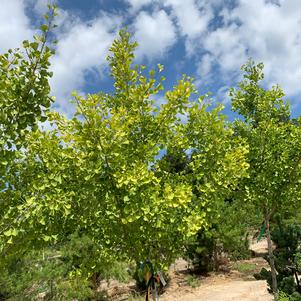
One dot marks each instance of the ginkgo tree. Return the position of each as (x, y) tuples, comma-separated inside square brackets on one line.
[(24, 102), (273, 185), (24, 93), (98, 173)]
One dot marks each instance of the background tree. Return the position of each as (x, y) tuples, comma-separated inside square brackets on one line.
[(274, 179), (201, 156)]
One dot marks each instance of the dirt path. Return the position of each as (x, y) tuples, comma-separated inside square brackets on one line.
[(238, 284), (235, 283), (226, 291)]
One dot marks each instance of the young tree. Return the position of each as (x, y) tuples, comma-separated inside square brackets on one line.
[(98, 173), (274, 179), (24, 103), (24, 93)]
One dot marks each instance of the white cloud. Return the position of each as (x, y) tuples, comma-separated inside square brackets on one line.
[(272, 33), (267, 30), (155, 34), (222, 95), (81, 48), (264, 30), (226, 46), (14, 24), (205, 67), (39, 6), (159, 100), (191, 18)]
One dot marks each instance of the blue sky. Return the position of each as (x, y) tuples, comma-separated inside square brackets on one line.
[(206, 39)]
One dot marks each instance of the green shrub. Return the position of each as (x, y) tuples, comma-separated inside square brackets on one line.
[(228, 238), (60, 272), (36, 273), (200, 251), (286, 297), (244, 267), (287, 239), (193, 280)]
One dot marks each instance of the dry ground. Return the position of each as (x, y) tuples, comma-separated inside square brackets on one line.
[(236, 283)]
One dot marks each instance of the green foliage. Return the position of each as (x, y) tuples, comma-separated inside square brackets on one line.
[(193, 281), (60, 272), (287, 239), (42, 274), (273, 185), (97, 191), (298, 260), (99, 171), (229, 237), (244, 267), (96, 183), (24, 93), (175, 161), (274, 142), (255, 103), (200, 251), (285, 297), (233, 228), (24, 103)]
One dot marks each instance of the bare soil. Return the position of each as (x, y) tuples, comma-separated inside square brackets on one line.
[(225, 286), (225, 290), (235, 282)]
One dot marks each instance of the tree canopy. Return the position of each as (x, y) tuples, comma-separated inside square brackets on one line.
[(136, 177), (273, 185), (99, 171)]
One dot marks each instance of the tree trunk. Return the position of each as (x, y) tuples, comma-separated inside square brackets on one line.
[(215, 258), (271, 260)]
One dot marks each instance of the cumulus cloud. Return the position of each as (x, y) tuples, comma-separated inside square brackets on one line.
[(192, 19), (14, 24), (204, 67), (82, 47), (272, 33), (267, 31), (226, 46), (219, 36), (39, 6), (155, 34)]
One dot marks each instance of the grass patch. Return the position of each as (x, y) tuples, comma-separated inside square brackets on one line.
[(136, 297), (119, 271), (193, 281), (244, 267)]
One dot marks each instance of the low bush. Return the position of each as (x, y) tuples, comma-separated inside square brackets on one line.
[(60, 272), (287, 239), (210, 249)]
